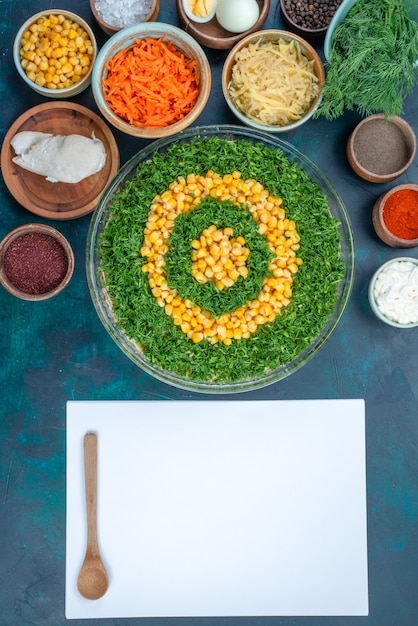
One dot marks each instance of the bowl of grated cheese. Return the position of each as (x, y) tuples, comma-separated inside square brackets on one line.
[(272, 80)]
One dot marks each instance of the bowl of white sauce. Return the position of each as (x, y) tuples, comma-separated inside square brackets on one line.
[(393, 292)]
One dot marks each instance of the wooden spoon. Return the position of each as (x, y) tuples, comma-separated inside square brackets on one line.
[(92, 581)]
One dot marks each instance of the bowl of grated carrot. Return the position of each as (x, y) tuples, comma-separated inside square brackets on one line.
[(272, 80), (151, 80)]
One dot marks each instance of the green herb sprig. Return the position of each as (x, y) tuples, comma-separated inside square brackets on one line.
[(372, 65)]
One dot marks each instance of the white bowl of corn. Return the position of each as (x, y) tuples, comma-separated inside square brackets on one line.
[(54, 52)]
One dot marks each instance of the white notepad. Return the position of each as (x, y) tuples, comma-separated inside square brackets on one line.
[(222, 508)]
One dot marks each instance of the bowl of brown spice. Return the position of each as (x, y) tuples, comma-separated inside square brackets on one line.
[(381, 148), (36, 262), (395, 216)]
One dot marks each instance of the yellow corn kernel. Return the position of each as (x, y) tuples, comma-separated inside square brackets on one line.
[(30, 55), (200, 277), (185, 327), (234, 274), (40, 80), (67, 68), (227, 281), (31, 67)]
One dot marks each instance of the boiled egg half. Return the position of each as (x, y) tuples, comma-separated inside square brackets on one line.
[(200, 11)]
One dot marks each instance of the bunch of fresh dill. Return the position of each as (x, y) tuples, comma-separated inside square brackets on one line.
[(372, 65)]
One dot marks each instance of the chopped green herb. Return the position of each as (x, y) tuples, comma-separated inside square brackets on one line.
[(315, 286)]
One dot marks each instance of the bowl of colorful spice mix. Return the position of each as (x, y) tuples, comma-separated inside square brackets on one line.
[(395, 216), (113, 15), (54, 52), (272, 80), (380, 149), (220, 260), (393, 292), (151, 80), (308, 18), (36, 262)]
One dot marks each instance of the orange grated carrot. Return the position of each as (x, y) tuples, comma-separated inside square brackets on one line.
[(151, 84)]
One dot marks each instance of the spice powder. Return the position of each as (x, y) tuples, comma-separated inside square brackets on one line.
[(35, 263), (400, 214), (381, 147)]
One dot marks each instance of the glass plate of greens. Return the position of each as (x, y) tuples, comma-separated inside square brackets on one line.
[(220, 260)]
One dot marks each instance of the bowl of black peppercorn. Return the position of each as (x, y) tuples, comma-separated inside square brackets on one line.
[(308, 18)]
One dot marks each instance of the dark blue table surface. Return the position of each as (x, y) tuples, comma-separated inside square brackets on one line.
[(57, 350)]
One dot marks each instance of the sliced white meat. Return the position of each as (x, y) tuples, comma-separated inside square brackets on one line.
[(60, 158)]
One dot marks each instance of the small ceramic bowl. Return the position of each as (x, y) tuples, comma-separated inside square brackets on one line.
[(393, 292), (384, 204), (111, 29), (212, 35), (272, 36), (380, 149), (124, 39), (309, 27), (34, 77), (36, 262)]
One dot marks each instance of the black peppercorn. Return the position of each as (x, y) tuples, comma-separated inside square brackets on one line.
[(311, 15)]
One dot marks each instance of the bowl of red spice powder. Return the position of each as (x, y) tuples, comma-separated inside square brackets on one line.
[(36, 262), (395, 216), (381, 148)]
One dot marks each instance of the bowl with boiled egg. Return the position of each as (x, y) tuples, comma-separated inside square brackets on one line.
[(272, 80), (220, 24)]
